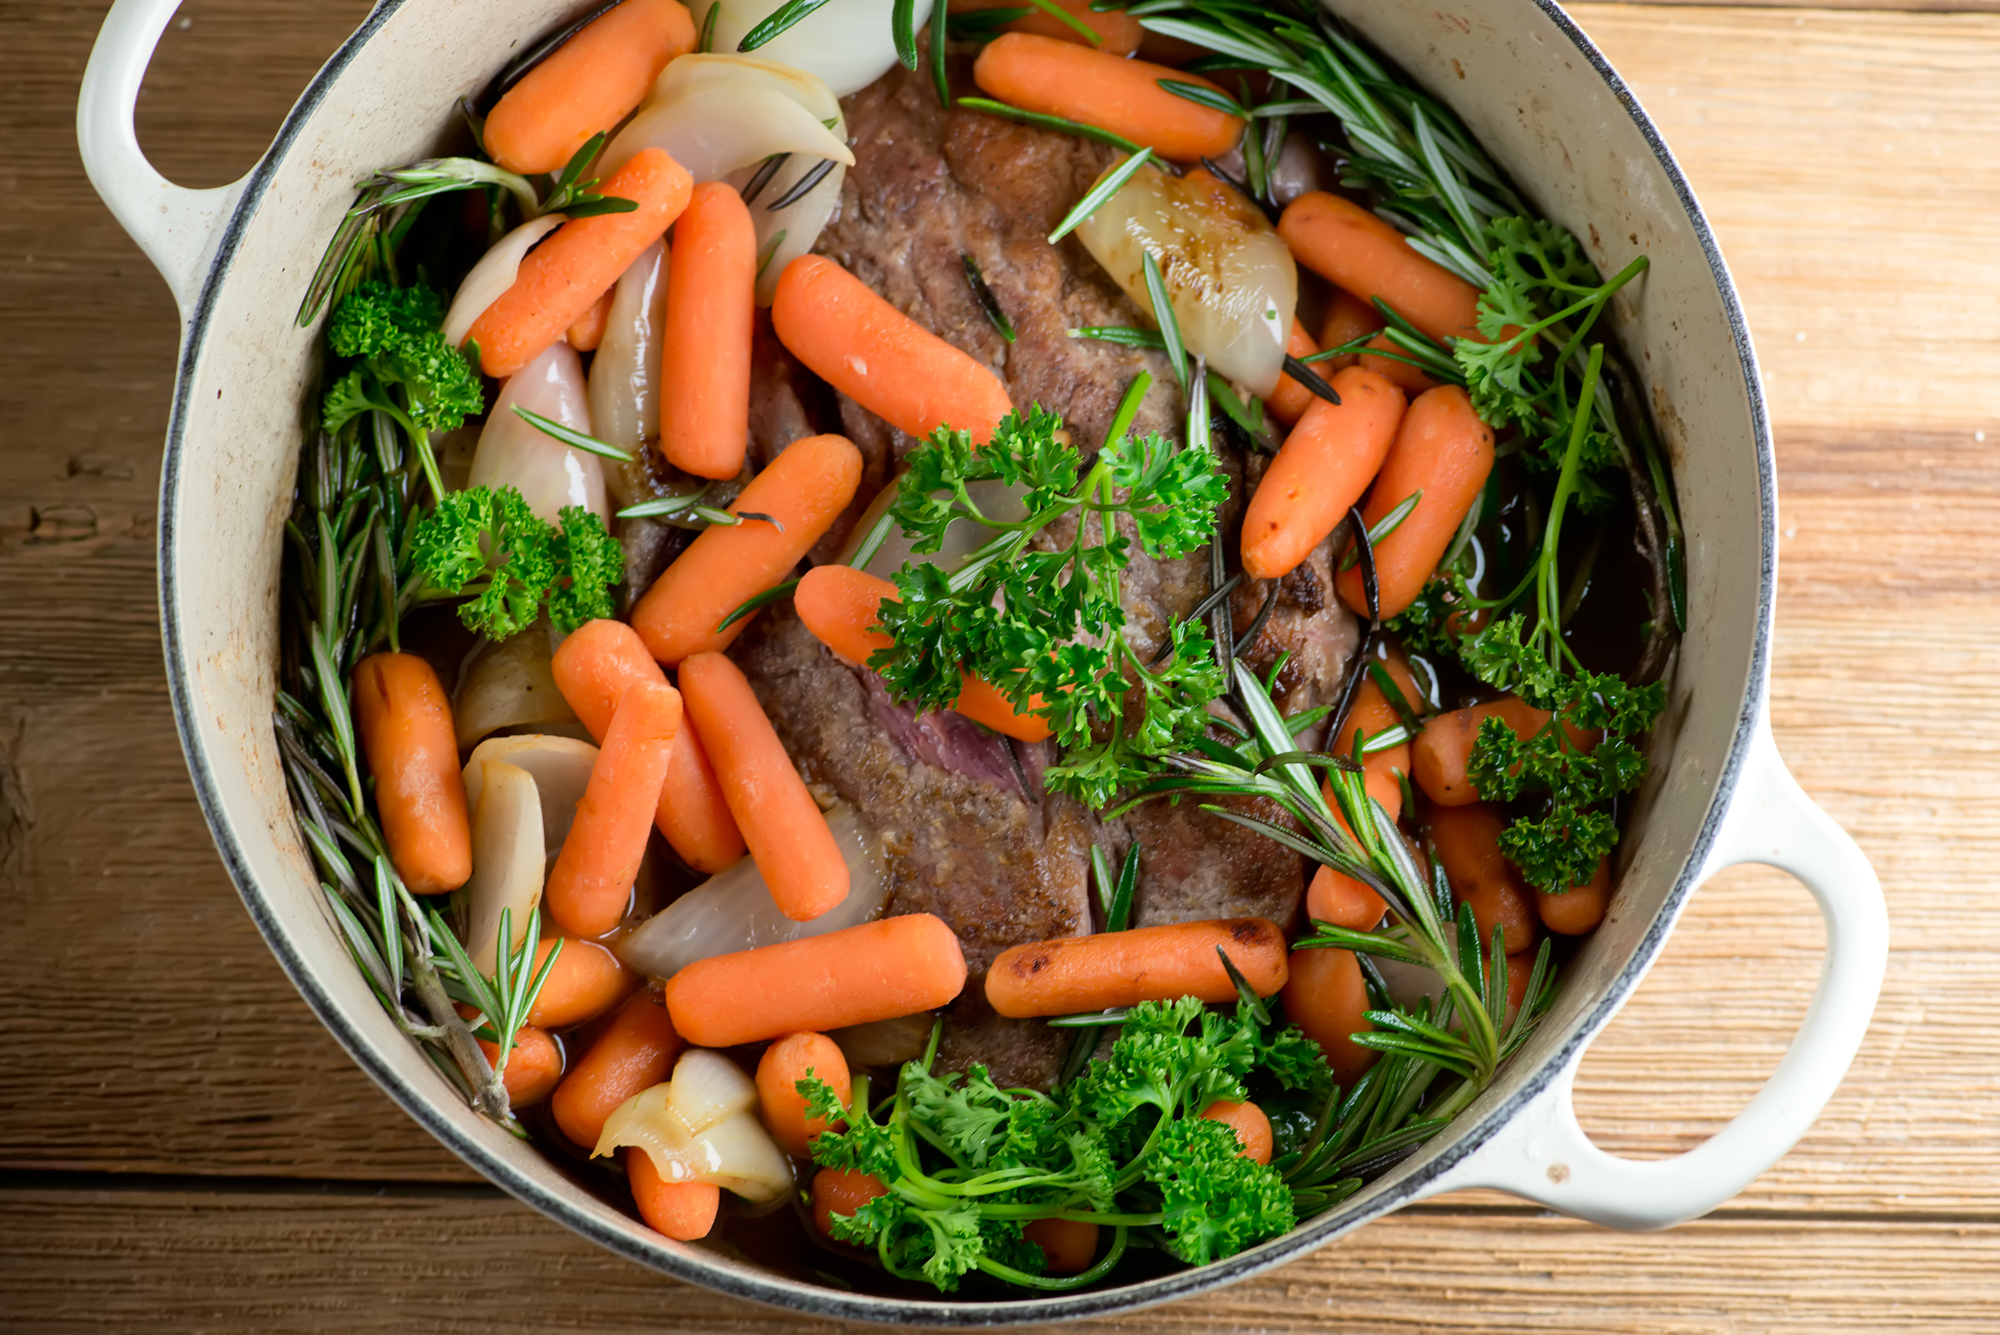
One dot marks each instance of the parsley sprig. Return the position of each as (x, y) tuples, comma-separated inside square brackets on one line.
[(1043, 621), (967, 1163), (403, 368), (512, 564)]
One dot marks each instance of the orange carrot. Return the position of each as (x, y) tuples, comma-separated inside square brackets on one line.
[(404, 718), (1343, 901), (684, 1211), (1289, 401), (1410, 379), (565, 275), (1094, 973), (785, 1063), (1324, 466), (591, 882), (1443, 749), (1520, 968), (589, 84), (805, 489), (1346, 244), (1371, 715), (594, 668), (880, 357), (1117, 32), (1327, 1000), (634, 1053), (588, 331), (705, 342), (839, 605), (1579, 909), (1467, 840), (1348, 317), (1247, 1120), (533, 1067), (585, 981), (1068, 1245), (879, 970), (1445, 451), (1123, 96), (788, 836), (842, 1191)]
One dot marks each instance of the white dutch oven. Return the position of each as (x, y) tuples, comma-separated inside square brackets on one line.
[(1552, 112)]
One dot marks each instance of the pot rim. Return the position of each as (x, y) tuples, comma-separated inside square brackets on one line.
[(688, 1263)]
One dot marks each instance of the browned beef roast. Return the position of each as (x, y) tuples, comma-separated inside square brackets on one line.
[(969, 831)]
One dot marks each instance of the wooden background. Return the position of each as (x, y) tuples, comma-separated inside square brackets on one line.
[(181, 1144)]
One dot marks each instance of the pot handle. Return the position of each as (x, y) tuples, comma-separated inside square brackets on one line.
[(1544, 1156), (176, 227)]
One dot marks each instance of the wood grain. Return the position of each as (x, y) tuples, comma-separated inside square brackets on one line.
[(109, 1260), (1851, 164)]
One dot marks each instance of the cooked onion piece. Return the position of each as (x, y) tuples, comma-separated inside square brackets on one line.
[(507, 858), (493, 274), (800, 221), (716, 126), (625, 373), (1229, 276), (515, 453), (561, 770), (849, 45), (733, 910), (701, 71), (507, 685), (701, 1126)]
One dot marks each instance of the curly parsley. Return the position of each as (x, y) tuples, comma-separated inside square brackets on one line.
[(1045, 624), (404, 368), (512, 563), (967, 1163)]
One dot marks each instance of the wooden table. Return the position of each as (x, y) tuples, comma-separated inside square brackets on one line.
[(182, 1144)]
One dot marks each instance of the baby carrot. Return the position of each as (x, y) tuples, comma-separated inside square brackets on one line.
[(1094, 973), (1580, 908), (705, 343), (785, 1063), (839, 605), (1348, 317), (1346, 244), (1289, 401), (1068, 1245), (533, 1066), (842, 1191), (1327, 1000), (1081, 83), (879, 970), (787, 835), (1343, 901), (592, 880), (1247, 1120), (1444, 748), (880, 357), (1116, 31), (1467, 840), (1371, 715), (564, 276), (404, 718), (684, 1211), (588, 331), (634, 1053), (585, 981), (1411, 380), (805, 489), (593, 668), (1445, 451), (1320, 472), (589, 84)]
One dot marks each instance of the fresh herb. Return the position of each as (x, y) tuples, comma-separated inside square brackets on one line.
[(1098, 194), (1069, 20), (1163, 315), (967, 1163), (1056, 123), (980, 25), (570, 436), (706, 42), (770, 251), (780, 21), (804, 185), (1310, 381), (405, 370), (983, 294), (1204, 96), (939, 78), (513, 564), (575, 197), (1046, 626), (903, 31), (1123, 335)]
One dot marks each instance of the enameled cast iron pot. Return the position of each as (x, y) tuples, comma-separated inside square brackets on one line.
[(1552, 112)]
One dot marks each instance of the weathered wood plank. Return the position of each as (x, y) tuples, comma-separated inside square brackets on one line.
[(84, 1261)]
